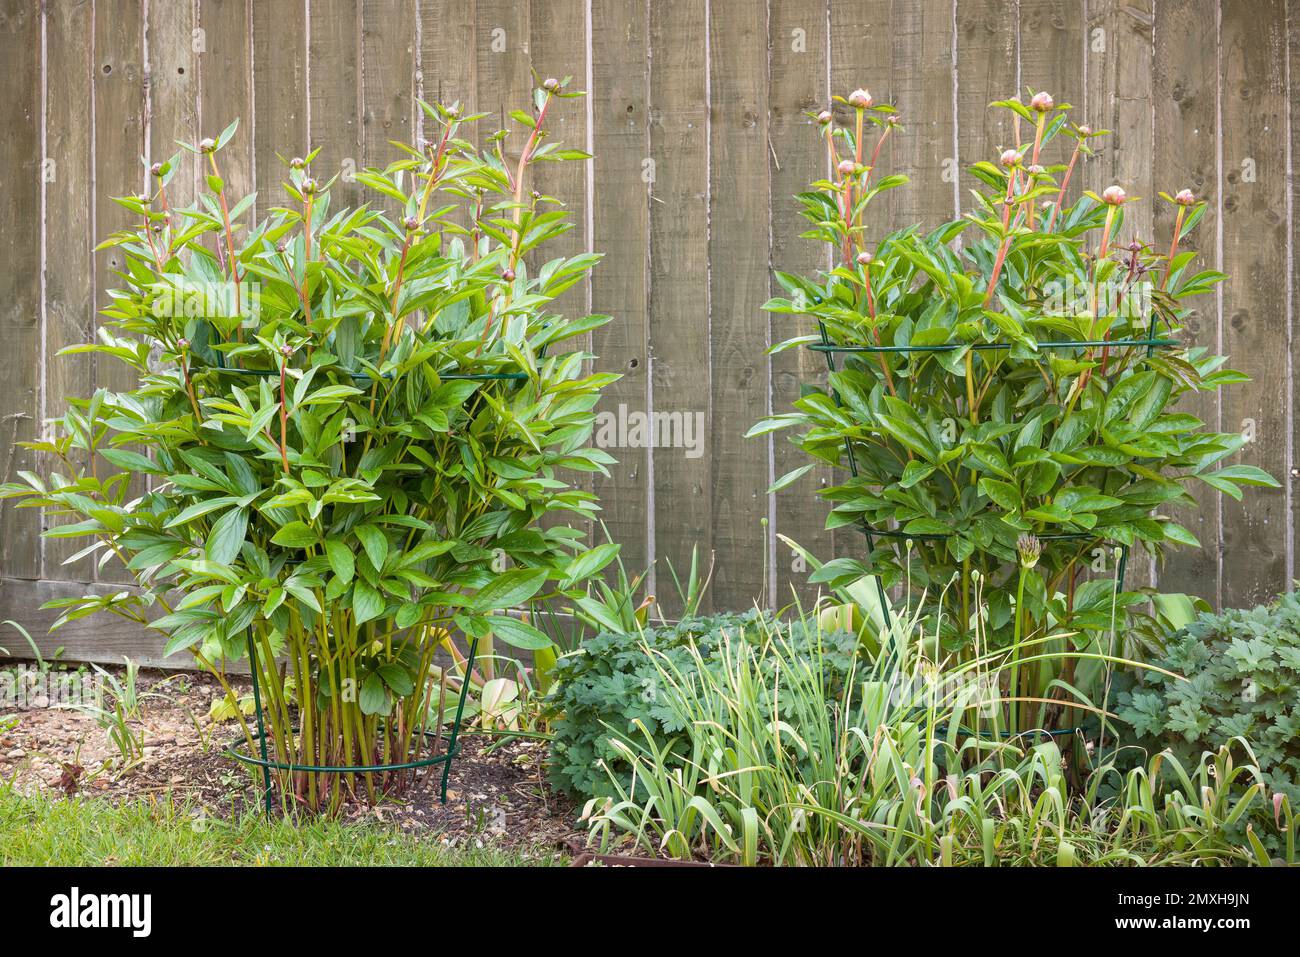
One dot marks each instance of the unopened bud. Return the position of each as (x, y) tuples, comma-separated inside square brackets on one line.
[(860, 99), (411, 224), (508, 274), (156, 169), (309, 187), (1185, 197), (286, 350), (1114, 195), (182, 344), (550, 84), (864, 259), (1010, 158), (1085, 130), (847, 167), (297, 162), (824, 117), (1029, 548), (1042, 102), (207, 145)]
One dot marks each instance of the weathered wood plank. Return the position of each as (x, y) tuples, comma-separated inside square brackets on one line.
[(387, 82), (738, 329), (861, 55), (280, 96), (334, 93), (20, 277), (679, 284), (620, 284), (1118, 98), (69, 309), (1255, 233), (1051, 50), (558, 49), (797, 86), (986, 71), (119, 100), (924, 92), (1292, 478), (1185, 156), (172, 79), (226, 89)]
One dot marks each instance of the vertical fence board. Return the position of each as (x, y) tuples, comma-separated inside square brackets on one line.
[(69, 309), (20, 252), (1292, 477), (226, 91), (280, 96), (986, 71), (620, 285), (679, 285), (387, 83), (1253, 96), (860, 56), (798, 86), (1185, 155), (738, 329), (924, 93), (173, 80), (334, 92), (1051, 50), (119, 144)]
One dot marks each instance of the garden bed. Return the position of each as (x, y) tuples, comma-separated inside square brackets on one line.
[(496, 795)]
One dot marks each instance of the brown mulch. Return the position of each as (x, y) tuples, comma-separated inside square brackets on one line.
[(497, 793)]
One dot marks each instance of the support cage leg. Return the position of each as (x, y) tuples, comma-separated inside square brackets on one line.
[(261, 728), (455, 726)]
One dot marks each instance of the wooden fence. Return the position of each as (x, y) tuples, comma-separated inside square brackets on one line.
[(696, 117)]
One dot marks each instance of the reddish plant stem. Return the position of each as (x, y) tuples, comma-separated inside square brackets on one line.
[(284, 417)]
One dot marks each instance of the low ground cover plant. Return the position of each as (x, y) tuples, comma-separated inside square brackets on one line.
[(346, 429), (1003, 400), (1243, 681), (881, 771)]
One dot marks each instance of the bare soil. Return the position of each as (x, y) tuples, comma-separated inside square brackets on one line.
[(497, 793)]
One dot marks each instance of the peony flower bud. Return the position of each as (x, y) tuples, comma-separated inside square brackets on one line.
[(411, 224), (1114, 195), (860, 99), (286, 350), (508, 274), (824, 117), (1010, 158), (1085, 130), (864, 259), (309, 187), (156, 169), (1042, 102), (297, 162), (550, 84), (1185, 197), (182, 344), (1036, 169), (207, 145), (847, 167)]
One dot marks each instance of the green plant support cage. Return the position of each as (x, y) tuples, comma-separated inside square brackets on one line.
[(445, 759), (829, 349)]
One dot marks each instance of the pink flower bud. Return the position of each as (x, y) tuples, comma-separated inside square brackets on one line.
[(824, 117), (508, 274), (182, 344), (550, 84), (864, 259), (297, 162), (1277, 807), (847, 167), (156, 169), (1185, 197), (860, 99), (207, 145), (1010, 158), (1036, 169), (286, 350), (1085, 130), (411, 224), (309, 187), (1042, 102), (1114, 195)]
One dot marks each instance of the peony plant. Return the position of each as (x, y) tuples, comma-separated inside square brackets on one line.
[(346, 431)]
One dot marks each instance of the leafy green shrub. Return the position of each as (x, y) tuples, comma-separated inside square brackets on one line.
[(346, 432), (965, 429), (612, 685), (1243, 671)]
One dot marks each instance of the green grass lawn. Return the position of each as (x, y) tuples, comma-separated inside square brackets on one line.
[(78, 832)]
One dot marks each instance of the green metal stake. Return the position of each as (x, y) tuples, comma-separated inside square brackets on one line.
[(455, 727), (261, 729)]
